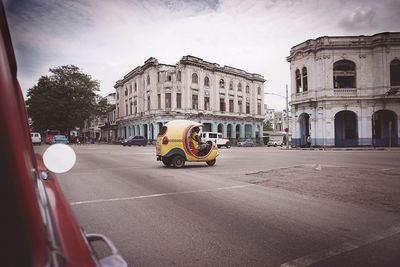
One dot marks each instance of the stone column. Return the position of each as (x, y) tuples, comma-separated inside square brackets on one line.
[(253, 131), (214, 127), (242, 131), (365, 137), (313, 123), (141, 129), (155, 130), (224, 130)]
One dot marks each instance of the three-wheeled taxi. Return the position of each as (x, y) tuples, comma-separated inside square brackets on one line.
[(174, 145)]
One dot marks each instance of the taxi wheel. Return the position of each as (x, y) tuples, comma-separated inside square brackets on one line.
[(166, 161), (178, 161), (211, 162)]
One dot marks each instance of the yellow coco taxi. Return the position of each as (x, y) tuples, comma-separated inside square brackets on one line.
[(174, 145)]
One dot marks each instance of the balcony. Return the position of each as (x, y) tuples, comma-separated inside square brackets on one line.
[(345, 92), (194, 86), (366, 92), (167, 84), (302, 95)]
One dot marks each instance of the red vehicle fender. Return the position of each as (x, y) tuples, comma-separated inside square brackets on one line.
[(75, 247)]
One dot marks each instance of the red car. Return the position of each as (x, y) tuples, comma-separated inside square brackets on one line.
[(38, 227)]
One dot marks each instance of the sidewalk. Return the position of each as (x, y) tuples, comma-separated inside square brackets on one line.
[(370, 187), (344, 148)]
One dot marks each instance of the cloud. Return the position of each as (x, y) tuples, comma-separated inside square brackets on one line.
[(107, 39), (362, 18)]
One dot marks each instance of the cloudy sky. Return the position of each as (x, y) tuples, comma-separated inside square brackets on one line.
[(109, 38)]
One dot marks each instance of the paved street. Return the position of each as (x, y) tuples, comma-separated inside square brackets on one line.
[(256, 207)]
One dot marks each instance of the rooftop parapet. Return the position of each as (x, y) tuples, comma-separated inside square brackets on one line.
[(195, 61), (346, 42)]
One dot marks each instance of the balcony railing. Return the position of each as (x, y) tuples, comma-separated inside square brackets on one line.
[(379, 91), (168, 84), (345, 92)]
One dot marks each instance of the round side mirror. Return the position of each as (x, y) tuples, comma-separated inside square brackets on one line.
[(59, 158)]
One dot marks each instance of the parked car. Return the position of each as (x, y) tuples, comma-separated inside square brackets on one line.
[(217, 138), (135, 141), (38, 226), (59, 139), (36, 138), (275, 143), (247, 142)]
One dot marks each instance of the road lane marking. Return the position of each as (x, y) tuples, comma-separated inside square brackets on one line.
[(160, 195), (342, 248)]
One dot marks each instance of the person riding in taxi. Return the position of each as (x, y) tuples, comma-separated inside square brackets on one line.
[(198, 145)]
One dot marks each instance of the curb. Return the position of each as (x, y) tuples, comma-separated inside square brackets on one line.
[(346, 149)]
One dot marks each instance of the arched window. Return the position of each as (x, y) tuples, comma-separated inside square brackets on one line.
[(239, 87), (195, 78), (222, 83), (126, 90), (247, 89), (395, 73), (344, 74), (135, 87), (206, 81), (259, 90), (148, 79), (305, 81), (230, 86), (298, 81)]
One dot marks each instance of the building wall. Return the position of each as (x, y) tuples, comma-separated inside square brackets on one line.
[(372, 56), (145, 120)]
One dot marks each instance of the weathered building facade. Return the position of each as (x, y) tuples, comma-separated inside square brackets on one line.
[(102, 128), (223, 98), (110, 128), (345, 90)]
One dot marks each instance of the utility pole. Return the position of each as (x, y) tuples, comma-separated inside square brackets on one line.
[(390, 134), (287, 112), (287, 117)]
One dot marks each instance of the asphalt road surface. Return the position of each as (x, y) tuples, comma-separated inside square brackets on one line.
[(227, 215)]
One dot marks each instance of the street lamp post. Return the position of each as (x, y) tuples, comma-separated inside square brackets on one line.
[(287, 112)]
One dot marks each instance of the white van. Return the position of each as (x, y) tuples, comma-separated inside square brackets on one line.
[(36, 138), (275, 143), (217, 138)]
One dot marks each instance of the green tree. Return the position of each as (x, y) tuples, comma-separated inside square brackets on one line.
[(63, 99), (267, 126), (102, 106)]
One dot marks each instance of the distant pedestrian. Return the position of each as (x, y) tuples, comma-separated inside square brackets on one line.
[(308, 141)]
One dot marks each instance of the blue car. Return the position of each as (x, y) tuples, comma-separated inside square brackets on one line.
[(247, 142), (59, 139), (137, 140)]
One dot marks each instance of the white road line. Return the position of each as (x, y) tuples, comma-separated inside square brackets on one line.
[(159, 195), (342, 248)]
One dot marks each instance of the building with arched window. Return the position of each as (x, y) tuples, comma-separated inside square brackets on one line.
[(192, 89), (345, 90)]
